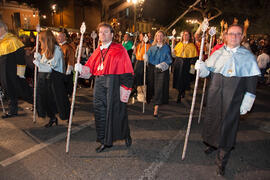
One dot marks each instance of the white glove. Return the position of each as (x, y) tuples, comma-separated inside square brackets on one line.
[(42, 67), (69, 70), (124, 94), (158, 66), (145, 58), (164, 66), (247, 103), (201, 66), (36, 62), (78, 67), (37, 56)]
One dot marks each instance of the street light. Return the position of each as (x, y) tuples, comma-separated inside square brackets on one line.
[(54, 7), (192, 21), (134, 20), (135, 12), (53, 11)]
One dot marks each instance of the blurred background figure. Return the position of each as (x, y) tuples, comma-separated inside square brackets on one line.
[(159, 60), (186, 54), (52, 97), (127, 43), (139, 67), (12, 71), (69, 57)]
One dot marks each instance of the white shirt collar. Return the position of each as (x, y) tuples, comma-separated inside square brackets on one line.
[(105, 46), (159, 45), (232, 49), (61, 44), (185, 42), (2, 37)]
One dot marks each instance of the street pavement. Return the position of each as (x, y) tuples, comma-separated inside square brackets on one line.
[(32, 152)]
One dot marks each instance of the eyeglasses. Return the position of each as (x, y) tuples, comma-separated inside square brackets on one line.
[(234, 34)]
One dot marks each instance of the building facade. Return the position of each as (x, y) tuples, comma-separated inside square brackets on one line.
[(18, 16)]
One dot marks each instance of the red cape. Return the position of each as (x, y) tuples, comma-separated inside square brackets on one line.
[(116, 61)]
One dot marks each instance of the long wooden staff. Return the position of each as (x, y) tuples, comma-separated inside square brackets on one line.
[(2, 104), (145, 39), (94, 36), (82, 29), (133, 58), (204, 28), (172, 45), (35, 77), (212, 32), (173, 39)]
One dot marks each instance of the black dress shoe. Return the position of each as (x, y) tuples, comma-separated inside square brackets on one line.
[(209, 150), (9, 115), (128, 141), (102, 147), (51, 122)]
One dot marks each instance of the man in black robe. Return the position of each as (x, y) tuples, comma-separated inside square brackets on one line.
[(112, 68), (12, 68), (233, 74)]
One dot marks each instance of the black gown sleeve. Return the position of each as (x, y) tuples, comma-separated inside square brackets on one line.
[(251, 84), (127, 80)]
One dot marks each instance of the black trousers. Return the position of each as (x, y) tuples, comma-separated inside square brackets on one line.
[(222, 157)]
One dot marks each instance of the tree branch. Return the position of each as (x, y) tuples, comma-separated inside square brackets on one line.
[(218, 14)]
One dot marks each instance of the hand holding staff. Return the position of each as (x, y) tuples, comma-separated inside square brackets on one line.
[(212, 32), (204, 28), (35, 77), (145, 39), (82, 29)]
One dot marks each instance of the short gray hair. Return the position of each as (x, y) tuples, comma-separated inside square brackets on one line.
[(2, 24)]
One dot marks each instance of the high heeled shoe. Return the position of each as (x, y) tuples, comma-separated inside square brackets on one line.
[(102, 147), (51, 122), (9, 115), (178, 101), (128, 141)]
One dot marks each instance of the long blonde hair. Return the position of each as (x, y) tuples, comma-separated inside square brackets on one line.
[(47, 41), (155, 38)]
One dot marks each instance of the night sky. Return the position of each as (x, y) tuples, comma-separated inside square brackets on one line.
[(164, 12), (257, 11)]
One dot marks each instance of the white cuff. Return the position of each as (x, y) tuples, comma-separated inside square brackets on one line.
[(85, 72)]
